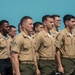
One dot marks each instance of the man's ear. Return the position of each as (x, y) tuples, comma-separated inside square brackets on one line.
[(66, 23), (23, 25), (36, 28), (0, 27), (44, 23)]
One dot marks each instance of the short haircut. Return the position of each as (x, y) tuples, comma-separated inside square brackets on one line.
[(36, 24), (0, 23), (67, 17), (24, 19), (12, 26), (44, 18), (3, 21), (55, 15), (19, 27)]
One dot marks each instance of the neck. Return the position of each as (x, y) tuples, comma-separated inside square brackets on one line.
[(4, 34), (37, 32), (46, 29), (26, 32), (11, 36), (55, 28), (69, 29)]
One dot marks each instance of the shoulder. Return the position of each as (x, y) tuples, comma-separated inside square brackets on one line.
[(19, 36), (39, 34), (60, 34)]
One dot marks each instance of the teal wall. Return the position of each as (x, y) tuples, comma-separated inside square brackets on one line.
[(14, 10)]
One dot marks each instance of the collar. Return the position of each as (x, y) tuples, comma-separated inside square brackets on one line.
[(33, 36), (1, 36), (68, 33), (24, 35), (54, 32), (45, 33)]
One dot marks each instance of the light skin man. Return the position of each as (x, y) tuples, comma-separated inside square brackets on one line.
[(57, 21), (38, 26), (19, 28), (44, 47), (12, 31), (65, 54), (25, 54)]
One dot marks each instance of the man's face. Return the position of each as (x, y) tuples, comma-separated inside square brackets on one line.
[(39, 28), (71, 23), (0, 29), (74, 25), (13, 32), (57, 21), (49, 23), (20, 28), (28, 25), (5, 27), (32, 32)]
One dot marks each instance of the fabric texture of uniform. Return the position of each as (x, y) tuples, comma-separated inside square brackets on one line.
[(65, 41), (23, 45), (5, 63), (46, 53)]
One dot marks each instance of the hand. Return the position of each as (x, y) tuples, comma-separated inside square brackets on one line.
[(18, 73), (13, 72), (61, 69), (38, 72)]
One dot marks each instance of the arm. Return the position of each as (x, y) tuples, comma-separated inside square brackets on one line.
[(38, 41), (15, 51), (15, 63), (58, 59), (59, 46), (36, 65)]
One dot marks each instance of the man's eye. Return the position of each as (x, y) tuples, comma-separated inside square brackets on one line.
[(51, 22)]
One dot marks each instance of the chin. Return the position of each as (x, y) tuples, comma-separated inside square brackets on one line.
[(7, 32), (51, 27)]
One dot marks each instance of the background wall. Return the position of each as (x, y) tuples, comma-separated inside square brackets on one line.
[(14, 10)]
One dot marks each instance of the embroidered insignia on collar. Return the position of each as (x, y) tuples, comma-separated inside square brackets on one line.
[(14, 43)]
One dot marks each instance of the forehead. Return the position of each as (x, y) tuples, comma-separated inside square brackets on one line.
[(20, 26), (5, 24), (49, 19), (57, 18), (39, 25), (72, 19), (13, 28), (29, 21)]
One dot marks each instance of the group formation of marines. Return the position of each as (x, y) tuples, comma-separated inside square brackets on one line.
[(40, 48)]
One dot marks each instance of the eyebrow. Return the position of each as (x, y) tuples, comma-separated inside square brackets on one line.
[(58, 20), (41, 27)]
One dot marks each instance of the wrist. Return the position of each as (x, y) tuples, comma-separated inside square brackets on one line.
[(60, 65)]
